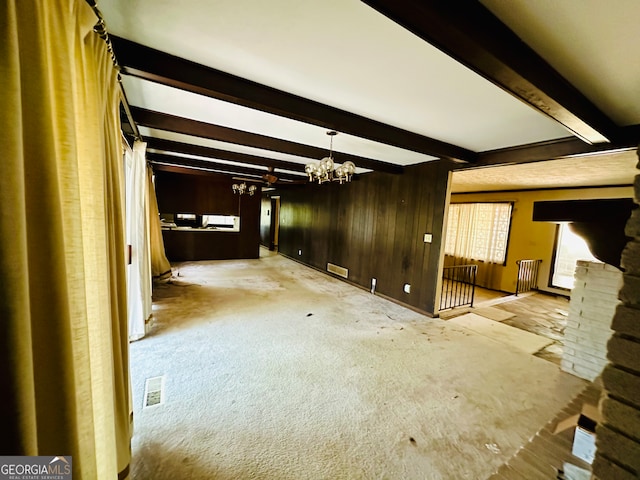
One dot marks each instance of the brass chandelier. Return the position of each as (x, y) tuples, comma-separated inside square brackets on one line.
[(325, 170)]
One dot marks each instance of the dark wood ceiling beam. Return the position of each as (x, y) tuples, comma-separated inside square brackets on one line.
[(150, 64), (468, 32), (208, 152), (629, 138), (215, 166), (172, 123)]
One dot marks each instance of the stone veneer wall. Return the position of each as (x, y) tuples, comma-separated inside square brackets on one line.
[(594, 298), (618, 435)]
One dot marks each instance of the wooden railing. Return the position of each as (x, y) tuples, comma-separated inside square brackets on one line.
[(527, 275), (458, 286)]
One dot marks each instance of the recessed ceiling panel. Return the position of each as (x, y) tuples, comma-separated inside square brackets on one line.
[(225, 162), (232, 147), (153, 96)]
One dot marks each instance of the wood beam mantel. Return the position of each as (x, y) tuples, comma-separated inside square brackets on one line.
[(150, 64), (468, 32)]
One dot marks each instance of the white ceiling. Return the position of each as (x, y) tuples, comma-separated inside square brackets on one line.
[(154, 96), (590, 42), (341, 53), (345, 54)]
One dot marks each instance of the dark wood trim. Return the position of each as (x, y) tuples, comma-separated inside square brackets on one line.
[(592, 210), (208, 152), (150, 64), (468, 32), (579, 187), (172, 123), (216, 167)]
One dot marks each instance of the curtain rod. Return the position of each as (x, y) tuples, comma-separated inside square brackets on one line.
[(101, 29)]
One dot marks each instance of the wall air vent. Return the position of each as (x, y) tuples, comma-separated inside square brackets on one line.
[(153, 391), (341, 271)]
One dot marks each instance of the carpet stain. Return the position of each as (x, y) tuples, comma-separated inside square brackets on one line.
[(255, 396)]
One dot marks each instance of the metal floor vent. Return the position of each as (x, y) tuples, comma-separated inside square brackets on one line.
[(154, 391), (343, 272)]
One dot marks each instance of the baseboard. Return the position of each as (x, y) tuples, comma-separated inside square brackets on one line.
[(361, 287)]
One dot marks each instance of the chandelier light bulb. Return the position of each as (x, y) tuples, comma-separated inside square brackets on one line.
[(242, 188)]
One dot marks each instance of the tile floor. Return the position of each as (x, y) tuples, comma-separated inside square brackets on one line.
[(535, 312), (542, 314)]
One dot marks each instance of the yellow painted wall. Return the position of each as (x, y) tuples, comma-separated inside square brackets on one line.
[(534, 240)]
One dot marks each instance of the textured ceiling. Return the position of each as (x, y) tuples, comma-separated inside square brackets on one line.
[(613, 169)]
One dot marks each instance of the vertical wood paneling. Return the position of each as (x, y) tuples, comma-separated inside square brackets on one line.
[(210, 194), (374, 227)]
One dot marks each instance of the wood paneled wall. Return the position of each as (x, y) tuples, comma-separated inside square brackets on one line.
[(208, 194), (200, 194), (374, 227)]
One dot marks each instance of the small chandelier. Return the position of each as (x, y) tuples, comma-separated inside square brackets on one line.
[(242, 188), (324, 171)]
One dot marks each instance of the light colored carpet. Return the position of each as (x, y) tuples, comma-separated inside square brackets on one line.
[(511, 336), (276, 371), (493, 313)]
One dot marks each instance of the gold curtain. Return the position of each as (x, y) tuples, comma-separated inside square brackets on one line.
[(160, 266), (63, 328)]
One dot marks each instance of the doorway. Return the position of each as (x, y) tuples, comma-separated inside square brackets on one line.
[(275, 224), (270, 222), (570, 248)]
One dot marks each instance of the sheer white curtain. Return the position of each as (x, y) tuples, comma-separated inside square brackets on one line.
[(137, 235), (477, 234)]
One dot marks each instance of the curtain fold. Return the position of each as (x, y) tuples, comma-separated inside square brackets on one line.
[(63, 334), (160, 266)]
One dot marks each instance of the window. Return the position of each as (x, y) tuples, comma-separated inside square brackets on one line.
[(221, 221), (569, 249), (479, 231)]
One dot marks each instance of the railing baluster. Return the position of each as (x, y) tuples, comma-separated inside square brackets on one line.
[(527, 275), (458, 286)]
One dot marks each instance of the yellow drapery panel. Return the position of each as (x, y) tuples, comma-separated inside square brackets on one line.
[(160, 266), (64, 350)]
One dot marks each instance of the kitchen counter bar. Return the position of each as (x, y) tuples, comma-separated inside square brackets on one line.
[(184, 243)]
